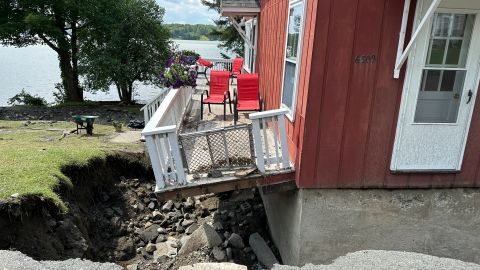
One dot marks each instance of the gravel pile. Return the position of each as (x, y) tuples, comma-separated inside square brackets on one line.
[(15, 260), (383, 260)]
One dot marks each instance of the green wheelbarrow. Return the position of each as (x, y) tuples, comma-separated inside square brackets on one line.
[(85, 122)]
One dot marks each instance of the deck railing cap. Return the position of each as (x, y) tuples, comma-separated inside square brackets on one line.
[(160, 130), (270, 113)]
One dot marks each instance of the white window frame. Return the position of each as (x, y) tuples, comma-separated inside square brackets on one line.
[(249, 26), (291, 112)]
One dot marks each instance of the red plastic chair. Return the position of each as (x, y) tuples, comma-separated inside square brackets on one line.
[(236, 68), (247, 97), (219, 92), (206, 65)]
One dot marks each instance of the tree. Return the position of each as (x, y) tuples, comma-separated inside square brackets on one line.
[(129, 44), (225, 31), (56, 23)]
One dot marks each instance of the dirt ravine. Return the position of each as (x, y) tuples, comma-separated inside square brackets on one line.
[(114, 216)]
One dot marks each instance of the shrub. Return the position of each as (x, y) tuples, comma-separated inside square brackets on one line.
[(24, 98)]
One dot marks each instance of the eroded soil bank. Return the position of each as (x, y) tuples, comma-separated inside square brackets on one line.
[(114, 216)]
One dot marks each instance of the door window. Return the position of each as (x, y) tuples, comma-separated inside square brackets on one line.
[(443, 75)]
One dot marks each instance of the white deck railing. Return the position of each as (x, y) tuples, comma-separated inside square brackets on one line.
[(161, 137), (221, 64), (162, 140), (270, 140), (151, 107)]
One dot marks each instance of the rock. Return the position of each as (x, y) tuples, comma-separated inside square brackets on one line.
[(161, 259), (189, 203), (245, 207), (140, 207), (148, 224), (215, 174), (219, 254), (156, 215), (151, 205), (161, 238), (204, 236), (177, 205), (229, 253), (150, 248), (191, 228), (72, 238), (150, 233), (167, 207), (15, 195), (125, 248), (210, 204), (262, 251), (187, 223), (132, 266), (118, 210), (236, 241), (183, 240), (217, 226), (161, 230), (213, 266), (165, 249)]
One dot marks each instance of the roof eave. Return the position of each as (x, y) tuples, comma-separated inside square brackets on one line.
[(239, 11)]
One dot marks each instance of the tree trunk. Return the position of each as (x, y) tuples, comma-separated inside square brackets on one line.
[(125, 92), (73, 42), (69, 80)]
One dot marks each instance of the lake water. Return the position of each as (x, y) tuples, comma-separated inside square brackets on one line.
[(35, 69)]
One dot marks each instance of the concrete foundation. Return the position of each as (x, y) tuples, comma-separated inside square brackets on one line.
[(317, 226)]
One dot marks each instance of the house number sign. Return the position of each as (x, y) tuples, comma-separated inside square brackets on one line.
[(365, 59)]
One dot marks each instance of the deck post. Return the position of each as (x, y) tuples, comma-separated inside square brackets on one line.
[(157, 170), (283, 140), (177, 158), (258, 145)]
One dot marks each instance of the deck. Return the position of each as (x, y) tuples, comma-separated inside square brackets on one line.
[(193, 156)]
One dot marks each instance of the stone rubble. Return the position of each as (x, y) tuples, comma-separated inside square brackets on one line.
[(176, 233)]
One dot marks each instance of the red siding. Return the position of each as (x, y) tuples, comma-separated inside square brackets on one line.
[(270, 55), (351, 116)]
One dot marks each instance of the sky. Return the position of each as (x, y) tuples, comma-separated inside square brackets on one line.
[(187, 11)]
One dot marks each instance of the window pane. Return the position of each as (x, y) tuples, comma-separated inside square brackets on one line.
[(293, 35), (441, 25), (453, 54), (430, 80), (452, 81), (437, 51), (459, 22), (288, 84)]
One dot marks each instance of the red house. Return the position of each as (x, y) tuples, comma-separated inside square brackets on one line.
[(382, 125)]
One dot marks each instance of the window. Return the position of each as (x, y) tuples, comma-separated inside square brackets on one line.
[(249, 58), (292, 56), (444, 71)]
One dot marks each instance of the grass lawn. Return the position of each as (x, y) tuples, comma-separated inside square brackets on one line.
[(31, 157)]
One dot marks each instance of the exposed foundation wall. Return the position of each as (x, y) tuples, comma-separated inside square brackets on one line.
[(332, 223), (284, 216)]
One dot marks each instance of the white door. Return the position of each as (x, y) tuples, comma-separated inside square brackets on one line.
[(439, 92)]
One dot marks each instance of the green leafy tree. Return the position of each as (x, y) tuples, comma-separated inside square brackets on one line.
[(56, 23), (128, 45), (225, 32), (191, 31)]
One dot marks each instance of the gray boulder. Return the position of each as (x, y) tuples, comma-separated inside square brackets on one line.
[(261, 249), (165, 249), (204, 236), (150, 233), (236, 241)]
